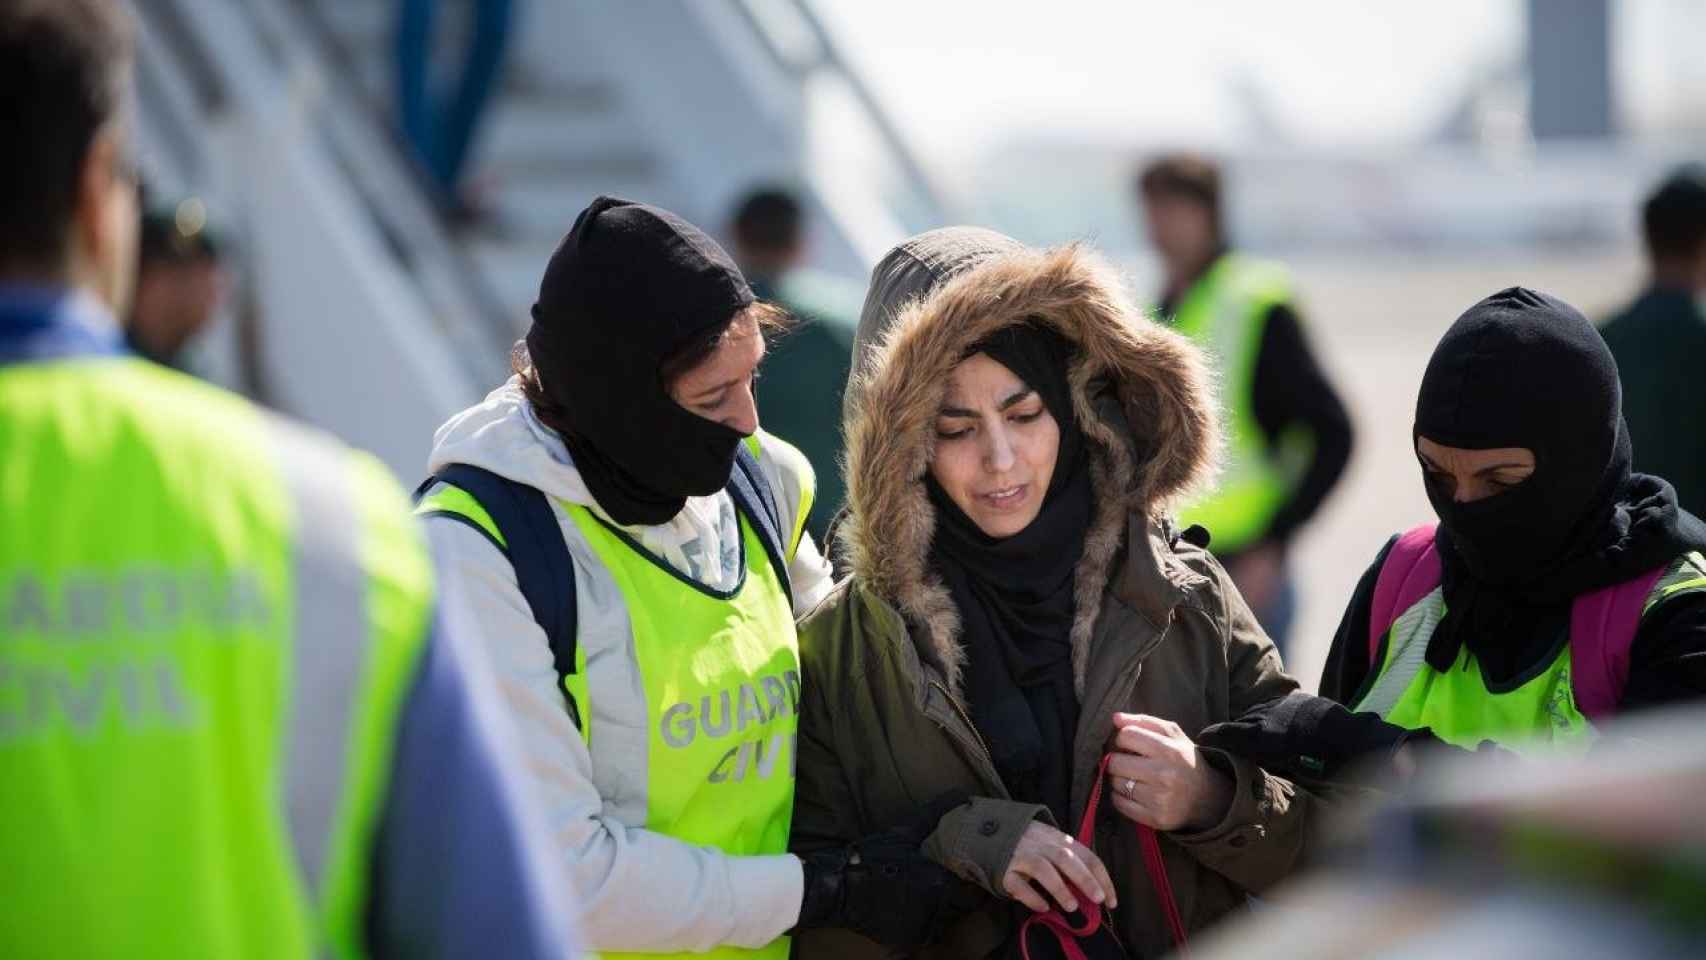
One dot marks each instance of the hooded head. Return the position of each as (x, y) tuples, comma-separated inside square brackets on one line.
[(1522, 369), (630, 287), (1139, 393)]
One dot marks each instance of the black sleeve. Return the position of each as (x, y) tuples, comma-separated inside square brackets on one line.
[(1347, 660), (1290, 388), (1667, 661)]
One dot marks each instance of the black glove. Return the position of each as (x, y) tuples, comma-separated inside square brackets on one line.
[(1307, 737), (882, 887)]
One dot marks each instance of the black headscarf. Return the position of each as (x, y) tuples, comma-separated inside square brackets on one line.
[(630, 286), (1523, 369), (1015, 594)]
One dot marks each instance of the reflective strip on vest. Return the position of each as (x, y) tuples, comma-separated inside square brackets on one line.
[(619, 713), (1225, 313), (329, 648), (1686, 575), (1406, 653)]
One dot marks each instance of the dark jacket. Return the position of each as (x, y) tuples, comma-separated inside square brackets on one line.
[(1660, 346), (804, 376), (1159, 628)]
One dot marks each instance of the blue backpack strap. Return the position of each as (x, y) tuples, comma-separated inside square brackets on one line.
[(534, 544), (752, 494)]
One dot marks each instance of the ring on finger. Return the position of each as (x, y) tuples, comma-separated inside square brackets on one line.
[(1128, 786)]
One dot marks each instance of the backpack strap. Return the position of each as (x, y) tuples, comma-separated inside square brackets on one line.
[(519, 521), (753, 496), (1602, 630), (1412, 570)]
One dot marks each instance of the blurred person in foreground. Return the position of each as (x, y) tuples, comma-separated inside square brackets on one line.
[(235, 717), (180, 280), (1022, 610), (634, 548), (805, 372), (1660, 340), (1560, 588), (1288, 436)]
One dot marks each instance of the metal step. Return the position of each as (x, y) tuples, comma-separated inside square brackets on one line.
[(535, 138), (360, 25), (544, 211), (513, 270)]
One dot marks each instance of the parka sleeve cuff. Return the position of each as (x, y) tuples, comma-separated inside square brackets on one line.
[(976, 839), (1245, 845)]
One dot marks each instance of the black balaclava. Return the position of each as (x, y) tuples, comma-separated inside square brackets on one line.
[(1523, 369), (630, 286), (1015, 594)]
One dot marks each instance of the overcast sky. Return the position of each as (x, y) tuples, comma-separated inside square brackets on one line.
[(961, 74)]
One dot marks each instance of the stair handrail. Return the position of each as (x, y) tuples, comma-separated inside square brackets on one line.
[(920, 179)]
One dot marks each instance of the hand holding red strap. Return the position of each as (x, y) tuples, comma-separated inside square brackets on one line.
[(1056, 923)]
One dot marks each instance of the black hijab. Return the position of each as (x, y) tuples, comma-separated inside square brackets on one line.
[(1523, 369), (629, 287), (1015, 594)]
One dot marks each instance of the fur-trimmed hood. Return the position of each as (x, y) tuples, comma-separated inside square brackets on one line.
[(1141, 392)]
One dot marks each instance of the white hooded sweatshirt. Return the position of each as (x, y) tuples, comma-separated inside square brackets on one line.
[(594, 800)]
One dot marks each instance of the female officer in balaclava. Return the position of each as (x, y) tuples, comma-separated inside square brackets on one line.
[(1559, 588), (632, 548)]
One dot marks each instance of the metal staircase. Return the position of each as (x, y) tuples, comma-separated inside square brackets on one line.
[(683, 103), (362, 310)]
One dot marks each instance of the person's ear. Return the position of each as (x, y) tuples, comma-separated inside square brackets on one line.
[(105, 226), (94, 194)]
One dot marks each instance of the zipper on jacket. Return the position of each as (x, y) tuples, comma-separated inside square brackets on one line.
[(977, 742)]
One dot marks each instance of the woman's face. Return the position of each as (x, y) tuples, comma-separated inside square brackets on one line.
[(719, 388), (996, 445), (1469, 475)]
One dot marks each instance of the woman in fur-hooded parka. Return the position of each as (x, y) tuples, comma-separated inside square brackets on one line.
[(1157, 628)]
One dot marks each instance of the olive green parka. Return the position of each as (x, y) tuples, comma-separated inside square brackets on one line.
[(1159, 630)]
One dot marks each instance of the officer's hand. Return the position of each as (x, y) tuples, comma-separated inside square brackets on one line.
[(1054, 862), (882, 887)]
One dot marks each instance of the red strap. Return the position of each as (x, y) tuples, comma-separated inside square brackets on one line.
[(1056, 923), (1411, 571), (1157, 868)]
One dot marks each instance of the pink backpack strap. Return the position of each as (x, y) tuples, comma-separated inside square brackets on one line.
[(1411, 572), (1602, 629)]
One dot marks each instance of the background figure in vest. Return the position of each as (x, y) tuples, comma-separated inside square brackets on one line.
[(1288, 437), (805, 372), (1559, 587), (232, 723), (660, 724), (1660, 340)]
